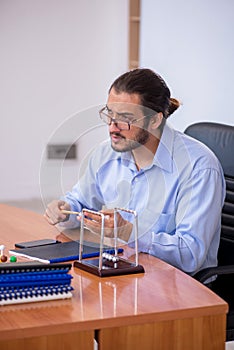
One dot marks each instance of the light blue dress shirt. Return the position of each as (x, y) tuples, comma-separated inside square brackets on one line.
[(178, 198)]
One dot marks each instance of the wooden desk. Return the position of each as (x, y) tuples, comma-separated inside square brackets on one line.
[(163, 308)]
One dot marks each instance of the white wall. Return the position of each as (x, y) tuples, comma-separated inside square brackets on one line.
[(58, 57), (190, 43)]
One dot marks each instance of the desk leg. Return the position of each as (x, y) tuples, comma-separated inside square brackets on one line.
[(72, 341), (204, 333)]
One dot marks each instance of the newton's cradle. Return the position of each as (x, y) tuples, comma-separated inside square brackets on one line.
[(109, 264)]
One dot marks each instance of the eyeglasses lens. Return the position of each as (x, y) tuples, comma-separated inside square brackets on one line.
[(108, 120)]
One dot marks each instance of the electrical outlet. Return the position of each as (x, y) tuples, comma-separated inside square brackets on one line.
[(62, 151)]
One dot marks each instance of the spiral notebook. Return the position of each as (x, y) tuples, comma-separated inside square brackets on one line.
[(62, 252), (33, 282)]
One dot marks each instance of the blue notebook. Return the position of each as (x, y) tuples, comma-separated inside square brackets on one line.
[(67, 251)]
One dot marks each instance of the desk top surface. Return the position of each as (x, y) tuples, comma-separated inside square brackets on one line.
[(161, 293)]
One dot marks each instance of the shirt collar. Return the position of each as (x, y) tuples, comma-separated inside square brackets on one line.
[(164, 155), (128, 160)]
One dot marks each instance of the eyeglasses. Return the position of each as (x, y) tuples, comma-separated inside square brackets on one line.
[(122, 122)]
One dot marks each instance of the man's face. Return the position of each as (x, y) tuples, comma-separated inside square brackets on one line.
[(124, 105)]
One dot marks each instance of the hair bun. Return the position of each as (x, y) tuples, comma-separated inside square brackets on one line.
[(174, 104)]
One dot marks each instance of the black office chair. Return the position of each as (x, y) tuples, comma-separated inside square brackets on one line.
[(220, 139)]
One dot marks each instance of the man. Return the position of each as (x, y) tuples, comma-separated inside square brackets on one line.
[(173, 182)]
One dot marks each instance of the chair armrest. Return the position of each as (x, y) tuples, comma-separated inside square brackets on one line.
[(204, 274)]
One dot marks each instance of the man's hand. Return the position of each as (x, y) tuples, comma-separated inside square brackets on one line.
[(93, 223), (53, 213)]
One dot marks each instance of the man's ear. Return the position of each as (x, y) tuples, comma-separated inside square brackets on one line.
[(156, 120)]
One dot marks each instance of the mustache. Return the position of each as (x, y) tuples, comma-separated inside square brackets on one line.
[(117, 134)]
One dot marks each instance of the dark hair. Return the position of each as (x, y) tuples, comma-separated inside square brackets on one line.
[(152, 89)]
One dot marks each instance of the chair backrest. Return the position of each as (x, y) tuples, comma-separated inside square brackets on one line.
[(220, 139)]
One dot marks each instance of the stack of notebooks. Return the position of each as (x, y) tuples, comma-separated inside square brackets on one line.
[(32, 282)]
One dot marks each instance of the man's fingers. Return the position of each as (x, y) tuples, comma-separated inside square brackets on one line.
[(97, 218), (53, 212), (50, 219), (95, 227)]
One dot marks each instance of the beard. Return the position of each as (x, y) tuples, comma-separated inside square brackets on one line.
[(124, 145)]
